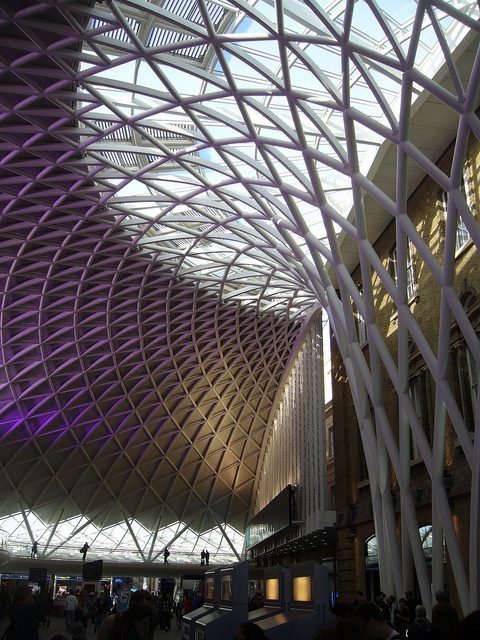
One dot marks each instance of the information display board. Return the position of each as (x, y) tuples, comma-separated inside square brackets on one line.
[(123, 600), (307, 610), (233, 607), (277, 596)]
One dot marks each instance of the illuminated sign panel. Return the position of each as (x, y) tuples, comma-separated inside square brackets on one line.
[(302, 589), (226, 589), (209, 588), (272, 589)]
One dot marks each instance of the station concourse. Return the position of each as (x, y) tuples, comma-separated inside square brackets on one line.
[(240, 292)]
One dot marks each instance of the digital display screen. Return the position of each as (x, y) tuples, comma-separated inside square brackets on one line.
[(272, 589), (37, 575), (92, 570), (277, 515), (226, 588), (209, 588), (302, 589)]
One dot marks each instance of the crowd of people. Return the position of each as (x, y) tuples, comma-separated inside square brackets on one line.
[(28, 612), (382, 619), (387, 619), (145, 613)]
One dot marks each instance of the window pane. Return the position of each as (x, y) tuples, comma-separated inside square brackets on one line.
[(393, 269), (462, 235)]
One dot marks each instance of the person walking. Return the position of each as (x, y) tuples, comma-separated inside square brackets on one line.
[(202, 558), (207, 557), (84, 550), (166, 553), (34, 551)]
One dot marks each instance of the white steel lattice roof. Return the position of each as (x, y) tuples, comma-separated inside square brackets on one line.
[(181, 181)]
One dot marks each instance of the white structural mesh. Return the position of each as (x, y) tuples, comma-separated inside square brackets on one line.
[(257, 149)]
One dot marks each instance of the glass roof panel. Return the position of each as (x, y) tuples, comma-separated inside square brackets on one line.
[(122, 542), (253, 116)]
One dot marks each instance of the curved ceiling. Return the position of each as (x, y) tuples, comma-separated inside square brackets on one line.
[(177, 181)]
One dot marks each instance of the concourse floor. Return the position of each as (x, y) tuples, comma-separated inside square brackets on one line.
[(57, 625)]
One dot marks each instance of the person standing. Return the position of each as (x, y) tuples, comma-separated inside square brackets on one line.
[(34, 551), (100, 610), (445, 616), (24, 619), (401, 616), (422, 628), (71, 605), (82, 597), (207, 557), (202, 558), (411, 604), (166, 553)]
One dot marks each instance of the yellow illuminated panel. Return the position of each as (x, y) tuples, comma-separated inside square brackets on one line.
[(209, 582), (302, 589), (272, 589), (227, 588)]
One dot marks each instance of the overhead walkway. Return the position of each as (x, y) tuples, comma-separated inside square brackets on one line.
[(19, 564)]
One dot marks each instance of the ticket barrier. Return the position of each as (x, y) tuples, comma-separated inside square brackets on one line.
[(277, 594), (308, 611), (222, 623), (211, 602)]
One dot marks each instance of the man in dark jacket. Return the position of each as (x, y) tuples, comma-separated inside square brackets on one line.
[(445, 617)]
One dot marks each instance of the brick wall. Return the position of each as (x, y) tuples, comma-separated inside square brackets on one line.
[(425, 208)]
